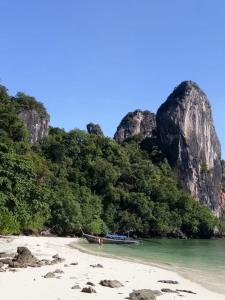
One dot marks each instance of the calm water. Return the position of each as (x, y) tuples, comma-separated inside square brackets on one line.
[(202, 261)]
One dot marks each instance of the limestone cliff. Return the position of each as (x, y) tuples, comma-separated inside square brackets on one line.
[(189, 141), (36, 123), (94, 129), (141, 124)]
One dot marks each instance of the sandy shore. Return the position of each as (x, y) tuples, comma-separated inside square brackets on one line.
[(29, 283)]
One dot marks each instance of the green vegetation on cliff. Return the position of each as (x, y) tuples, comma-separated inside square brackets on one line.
[(73, 179)]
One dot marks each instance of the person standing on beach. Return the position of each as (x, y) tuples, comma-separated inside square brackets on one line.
[(100, 241)]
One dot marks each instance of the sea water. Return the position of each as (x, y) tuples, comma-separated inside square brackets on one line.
[(202, 261)]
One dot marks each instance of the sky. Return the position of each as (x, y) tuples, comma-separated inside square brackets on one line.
[(96, 60)]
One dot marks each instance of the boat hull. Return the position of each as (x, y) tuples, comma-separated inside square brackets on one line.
[(96, 240)]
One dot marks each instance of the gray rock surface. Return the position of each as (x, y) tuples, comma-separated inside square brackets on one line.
[(111, 283), (168, 281), (88, 290), (23, 259), (49, 275), (187, 292), (36, 124), (94, 129), (144, 295), (169, 291), (140, 124), (76, 287), (190, 143)]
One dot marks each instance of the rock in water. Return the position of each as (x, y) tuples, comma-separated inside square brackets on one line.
[(36, 124), (94, 129), (140, 124), (190, 143)]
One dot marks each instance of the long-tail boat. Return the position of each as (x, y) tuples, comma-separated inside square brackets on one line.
[(110, 239)]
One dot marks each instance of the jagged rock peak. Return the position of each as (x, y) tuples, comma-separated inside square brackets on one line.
[(94, 129), (189, 141), (141, 124)]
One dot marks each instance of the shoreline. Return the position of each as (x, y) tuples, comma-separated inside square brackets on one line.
[(29, 283), (164, 266)]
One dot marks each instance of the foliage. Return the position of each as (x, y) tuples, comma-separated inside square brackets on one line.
[(75, 179)]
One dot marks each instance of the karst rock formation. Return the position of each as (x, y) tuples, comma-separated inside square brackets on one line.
[(189, 140), (140, 124), (37, 124), (187, 137)]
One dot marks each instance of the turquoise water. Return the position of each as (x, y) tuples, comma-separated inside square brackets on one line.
[(202, 261)]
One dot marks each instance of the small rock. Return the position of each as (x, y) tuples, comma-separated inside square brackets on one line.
[(57, 259), (58, 271), (76, 287), (88, 290), (144, 295), (44, 262), (111, 283), (168, 291), (74, 264), (186, 291), (97, 266), (66, 266), (49, 275), (168, 281), (90, 283)]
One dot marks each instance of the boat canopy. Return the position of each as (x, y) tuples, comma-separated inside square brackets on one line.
[(116, 236)]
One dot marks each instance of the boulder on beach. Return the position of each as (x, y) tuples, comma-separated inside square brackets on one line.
[(88, 290), (96, 266), (144, 295), (58, 271), (168, 281), (49, 275), (22, 259), (111, 283), (76, 287), (90, 283)]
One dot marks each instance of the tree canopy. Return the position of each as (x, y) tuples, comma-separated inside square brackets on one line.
[(75, 179)]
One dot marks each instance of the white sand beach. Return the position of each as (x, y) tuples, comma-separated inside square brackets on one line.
[(29, 283)]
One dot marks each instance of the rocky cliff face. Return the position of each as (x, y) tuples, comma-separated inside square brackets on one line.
[(190, 143), (141, 124), (94, 129), (36, 124)]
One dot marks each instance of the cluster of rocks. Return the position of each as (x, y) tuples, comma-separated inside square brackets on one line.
[(24, 258), (106, 283)]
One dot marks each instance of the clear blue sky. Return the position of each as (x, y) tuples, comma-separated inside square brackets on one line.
[(95, 60)]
